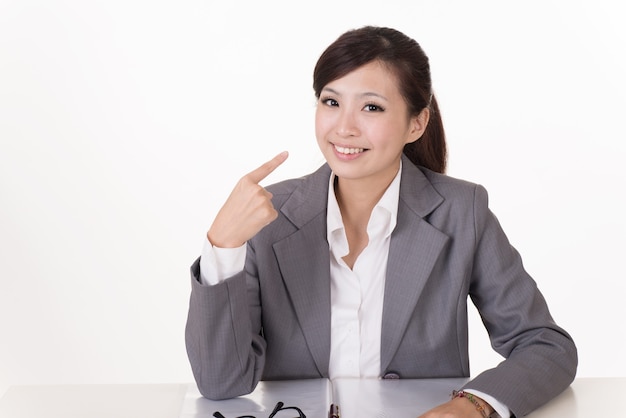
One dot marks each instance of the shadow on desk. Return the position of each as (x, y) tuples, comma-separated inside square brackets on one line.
[(586, 398), (356, 398), (312, 396)]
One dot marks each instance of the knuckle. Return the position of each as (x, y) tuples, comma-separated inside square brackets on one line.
[(268, 213)]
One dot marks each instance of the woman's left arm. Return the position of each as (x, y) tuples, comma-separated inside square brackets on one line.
[(540, 357)]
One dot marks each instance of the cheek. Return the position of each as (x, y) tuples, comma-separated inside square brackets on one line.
[(386, 135), (321, 125), (377, 133)]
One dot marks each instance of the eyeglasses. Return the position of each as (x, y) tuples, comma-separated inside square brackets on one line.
[(275, 413)]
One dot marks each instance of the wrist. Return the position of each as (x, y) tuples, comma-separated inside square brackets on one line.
[(220, 243), (481, 406)]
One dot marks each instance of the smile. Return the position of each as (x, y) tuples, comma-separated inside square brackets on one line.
[(345, 150)]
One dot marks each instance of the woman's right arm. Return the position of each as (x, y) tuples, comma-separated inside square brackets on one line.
[(222, 335)]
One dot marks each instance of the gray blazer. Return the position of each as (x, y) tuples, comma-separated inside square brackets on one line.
[(272, 320)]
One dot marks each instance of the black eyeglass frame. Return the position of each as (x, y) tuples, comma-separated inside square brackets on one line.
[(280, 406)]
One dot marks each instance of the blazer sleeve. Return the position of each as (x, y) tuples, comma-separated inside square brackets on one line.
[(540, 357), (222, 336)]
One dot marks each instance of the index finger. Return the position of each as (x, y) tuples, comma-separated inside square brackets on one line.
[(266, 169)]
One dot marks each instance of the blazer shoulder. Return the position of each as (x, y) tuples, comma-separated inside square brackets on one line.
[(453, 188), (446, 181), (307, 185), (463, 203)]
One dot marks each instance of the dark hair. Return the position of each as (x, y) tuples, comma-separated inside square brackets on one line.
[(409, 63)]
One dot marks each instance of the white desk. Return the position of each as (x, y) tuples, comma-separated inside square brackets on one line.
[(93, 401), (586, 398)]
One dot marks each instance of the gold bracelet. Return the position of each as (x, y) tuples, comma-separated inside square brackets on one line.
[(462, 394)]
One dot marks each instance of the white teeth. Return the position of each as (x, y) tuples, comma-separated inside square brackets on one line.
[(343, 150)]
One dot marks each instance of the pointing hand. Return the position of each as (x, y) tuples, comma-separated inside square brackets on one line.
[(247, 210)]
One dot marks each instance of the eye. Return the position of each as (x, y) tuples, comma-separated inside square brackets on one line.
[(328, 101), (371, 107)]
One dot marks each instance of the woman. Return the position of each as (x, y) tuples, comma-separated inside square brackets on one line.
[(364, 267)]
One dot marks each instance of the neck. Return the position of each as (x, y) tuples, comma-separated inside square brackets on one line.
[(357, 198)]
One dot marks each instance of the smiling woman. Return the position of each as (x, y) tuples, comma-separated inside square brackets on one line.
[(364, 116), (408, 73), (363, 269)]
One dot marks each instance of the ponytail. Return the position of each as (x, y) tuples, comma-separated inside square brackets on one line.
[(430, 150)]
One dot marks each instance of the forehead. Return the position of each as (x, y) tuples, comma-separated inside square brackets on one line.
[(373, 77)]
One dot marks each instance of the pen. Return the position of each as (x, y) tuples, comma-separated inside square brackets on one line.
[(334, 411)]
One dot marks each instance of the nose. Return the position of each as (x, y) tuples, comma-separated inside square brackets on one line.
[(346, 124)]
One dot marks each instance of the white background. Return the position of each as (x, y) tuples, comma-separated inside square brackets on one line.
[(124, 125)]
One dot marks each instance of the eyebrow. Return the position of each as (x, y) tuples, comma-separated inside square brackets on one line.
[(366, 94)]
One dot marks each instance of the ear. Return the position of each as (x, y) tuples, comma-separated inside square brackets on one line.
[(418, 125)]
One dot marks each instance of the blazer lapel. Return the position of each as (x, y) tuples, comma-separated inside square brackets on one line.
[(304, 262), (414, 249)]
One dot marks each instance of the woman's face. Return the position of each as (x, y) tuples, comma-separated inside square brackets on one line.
[(362, 124)]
